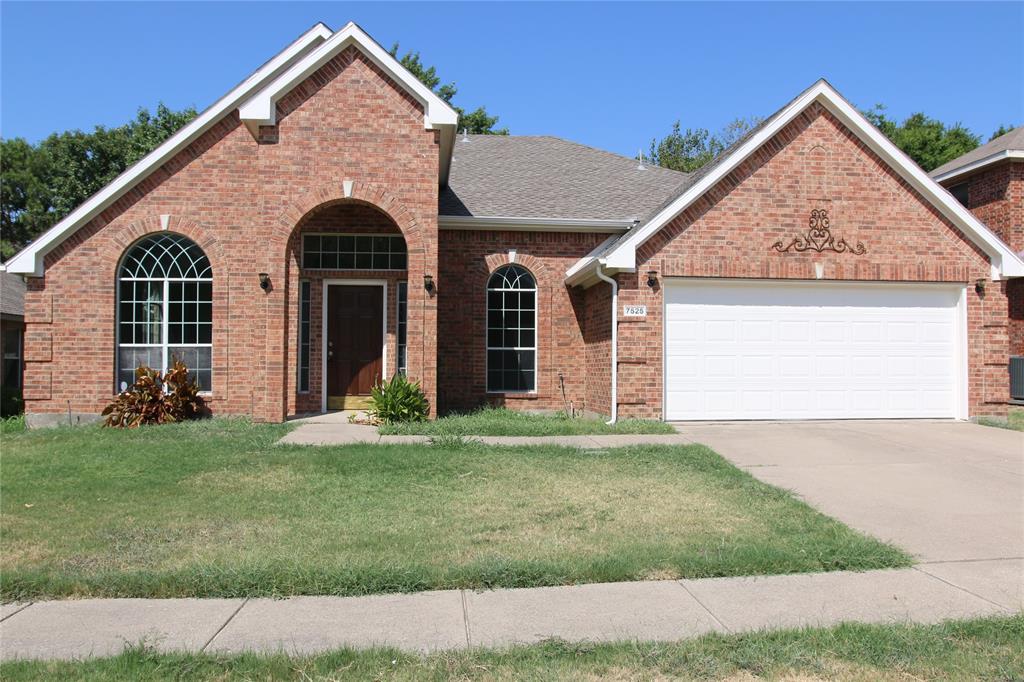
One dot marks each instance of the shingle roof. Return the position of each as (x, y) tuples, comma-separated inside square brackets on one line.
[(12, 294), (548, 177), (1013, 140)]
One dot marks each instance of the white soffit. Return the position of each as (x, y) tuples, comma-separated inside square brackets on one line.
[(29, 261), (1004, 261)]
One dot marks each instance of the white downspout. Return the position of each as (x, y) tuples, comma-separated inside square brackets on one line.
[(615, 341)]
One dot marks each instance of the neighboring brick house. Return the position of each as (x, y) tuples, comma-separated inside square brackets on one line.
[(323, 226), (990, 182)]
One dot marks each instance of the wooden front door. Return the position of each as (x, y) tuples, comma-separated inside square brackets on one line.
[(355, 339)]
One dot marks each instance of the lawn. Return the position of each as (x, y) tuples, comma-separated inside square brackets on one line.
[(215, 508), (983, 649), (1014, 420), (503, 422)]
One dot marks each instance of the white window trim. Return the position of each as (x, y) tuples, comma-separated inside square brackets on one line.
[(302, 251), (536, 335), (383, 284), (398, 288)]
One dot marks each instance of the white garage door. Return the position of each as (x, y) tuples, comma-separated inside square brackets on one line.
[(811, 350)]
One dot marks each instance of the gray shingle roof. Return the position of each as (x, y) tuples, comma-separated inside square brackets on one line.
[(1013, 140), (547, 177), (12, 294)]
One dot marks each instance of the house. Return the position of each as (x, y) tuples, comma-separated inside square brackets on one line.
[(990, 182), (324, 225), (12, 333)]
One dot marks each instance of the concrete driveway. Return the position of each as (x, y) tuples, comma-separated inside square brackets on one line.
[(950, 493)]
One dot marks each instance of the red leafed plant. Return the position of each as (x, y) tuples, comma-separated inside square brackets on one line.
[(156, 399)]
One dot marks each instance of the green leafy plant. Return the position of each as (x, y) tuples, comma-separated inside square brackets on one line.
[(156, 399), (398, 401)]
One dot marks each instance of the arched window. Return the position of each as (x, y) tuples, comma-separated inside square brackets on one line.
[(164, 308), (511, 330)]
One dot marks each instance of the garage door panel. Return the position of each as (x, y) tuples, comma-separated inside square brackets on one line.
[(830, 351)]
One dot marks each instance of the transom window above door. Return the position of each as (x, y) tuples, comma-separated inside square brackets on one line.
[(353, 252)]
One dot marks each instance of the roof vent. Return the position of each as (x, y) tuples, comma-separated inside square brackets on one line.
[(640, 161), (465, 135)]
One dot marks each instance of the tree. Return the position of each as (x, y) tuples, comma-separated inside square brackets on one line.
[(696, 147), (40, 184), (927, 141), (476, 122), (1002, 130)]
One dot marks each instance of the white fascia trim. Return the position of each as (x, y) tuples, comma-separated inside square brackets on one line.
[(261, 109), (1005, 263), (980, 163), (585, 268), (29, 261), (514, 223)]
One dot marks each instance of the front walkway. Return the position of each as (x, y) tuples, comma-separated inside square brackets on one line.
[(430, 621), (334, 428)]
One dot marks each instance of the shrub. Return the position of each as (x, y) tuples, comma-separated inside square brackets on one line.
[(156, 399), (398, 401)]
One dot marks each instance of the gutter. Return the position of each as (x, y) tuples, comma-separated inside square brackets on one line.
[(451, 222), (615, 341)]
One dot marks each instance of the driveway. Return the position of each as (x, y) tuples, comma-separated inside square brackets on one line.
[(950, 493)]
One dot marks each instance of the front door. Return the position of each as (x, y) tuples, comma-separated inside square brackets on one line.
[(355, 339)]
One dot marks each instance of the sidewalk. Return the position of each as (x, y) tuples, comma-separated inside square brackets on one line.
[(431, 621), (334, 429)]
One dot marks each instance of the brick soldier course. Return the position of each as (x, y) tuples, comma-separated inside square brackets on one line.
[(353, 145)]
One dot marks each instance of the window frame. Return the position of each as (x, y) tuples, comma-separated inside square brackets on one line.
[(536, 333), (19, 334), (305, 334), (356, 235), (164, 345), (402, 328)]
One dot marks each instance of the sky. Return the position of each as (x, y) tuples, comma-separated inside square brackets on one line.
[(611, 75)]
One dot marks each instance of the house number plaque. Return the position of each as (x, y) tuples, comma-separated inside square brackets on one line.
[(634, 311)]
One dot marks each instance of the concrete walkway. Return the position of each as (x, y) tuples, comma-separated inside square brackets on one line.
[(334, 429), (431, 621)]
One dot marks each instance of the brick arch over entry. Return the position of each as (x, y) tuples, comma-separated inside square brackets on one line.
[(110, 259), (370, 194), (281, 260)]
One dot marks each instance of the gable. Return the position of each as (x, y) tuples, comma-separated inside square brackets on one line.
[(816, 169), (622, 256)]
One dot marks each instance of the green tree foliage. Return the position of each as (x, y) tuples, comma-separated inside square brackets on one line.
[(476, 122), (42, 183), (688, 151), (1002, 130), (927, 141)]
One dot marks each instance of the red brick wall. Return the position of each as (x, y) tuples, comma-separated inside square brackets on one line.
[(814, 163), (996, 196), (467, 259), (597, 337), (241, 201)]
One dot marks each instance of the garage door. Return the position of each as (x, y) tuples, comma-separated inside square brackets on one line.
[(810, 350)]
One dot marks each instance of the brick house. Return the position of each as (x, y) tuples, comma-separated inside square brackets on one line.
[(989, 181), (324, 225)]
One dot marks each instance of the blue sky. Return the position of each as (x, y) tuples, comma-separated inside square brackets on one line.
[(610, 75)]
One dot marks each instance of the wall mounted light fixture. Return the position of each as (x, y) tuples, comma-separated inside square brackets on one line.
[(264, 281), (428, 283), (979, 287), (652, 278)]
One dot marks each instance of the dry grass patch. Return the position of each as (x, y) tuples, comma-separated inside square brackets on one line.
[(217, 509)]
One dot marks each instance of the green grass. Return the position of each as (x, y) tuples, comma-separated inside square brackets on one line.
[(491, 421), (11, 425), (215, 508), (1014, 420), (983, 649)]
